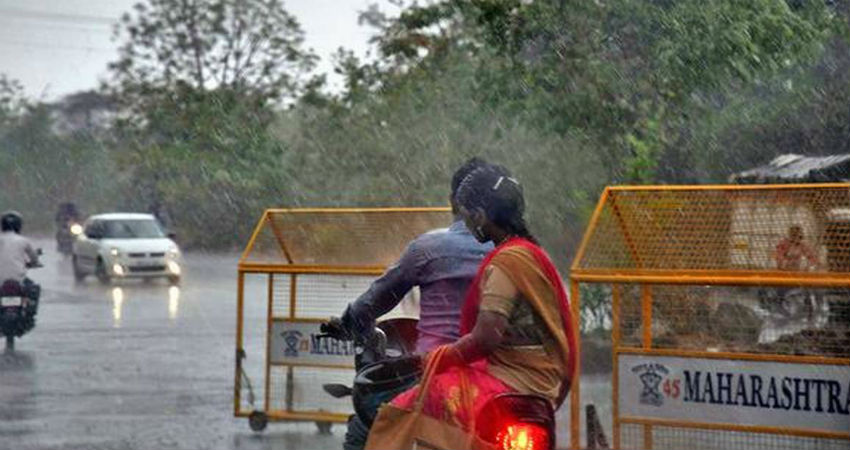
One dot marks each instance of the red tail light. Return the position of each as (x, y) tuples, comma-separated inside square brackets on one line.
[(523, 436)]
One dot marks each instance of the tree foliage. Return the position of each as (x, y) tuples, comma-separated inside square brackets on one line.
[(250, 47), (202, 79), (572, 95), (12, 101)]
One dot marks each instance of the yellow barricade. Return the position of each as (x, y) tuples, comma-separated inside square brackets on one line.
[(729, 315), (301, 267)]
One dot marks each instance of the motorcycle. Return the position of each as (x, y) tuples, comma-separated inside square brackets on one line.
[(65, 236), (18, 308), (386, 366)]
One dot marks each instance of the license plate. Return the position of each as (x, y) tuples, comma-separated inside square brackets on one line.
[(10, 301)]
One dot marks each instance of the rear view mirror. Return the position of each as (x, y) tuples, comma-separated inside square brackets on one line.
[(171, 235)]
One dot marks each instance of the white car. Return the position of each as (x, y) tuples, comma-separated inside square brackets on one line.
[(125, 245)]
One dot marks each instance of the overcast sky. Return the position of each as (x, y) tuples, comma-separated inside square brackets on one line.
[(55, 47)]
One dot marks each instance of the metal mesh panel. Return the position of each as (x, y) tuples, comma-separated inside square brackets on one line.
[(348, 237), (254, 339), (267, 246), (631, 328), (317, 296), (788, 321), (281, 294), (719, 229), (322, 296), (631, 437), (305, 393)]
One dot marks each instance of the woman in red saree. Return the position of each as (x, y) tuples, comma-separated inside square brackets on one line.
[(515, 326)]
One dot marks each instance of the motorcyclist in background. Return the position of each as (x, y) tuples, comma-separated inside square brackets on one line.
[(66, 216), (16, 254), (66, 213)]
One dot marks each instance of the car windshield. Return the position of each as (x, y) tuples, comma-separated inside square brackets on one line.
[(128, 229)]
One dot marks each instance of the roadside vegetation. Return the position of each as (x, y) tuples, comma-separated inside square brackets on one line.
[(212, 111)]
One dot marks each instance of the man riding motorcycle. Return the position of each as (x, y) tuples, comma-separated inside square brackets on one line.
[(18, 294), (442, 263), (67, 216), (16, 251)]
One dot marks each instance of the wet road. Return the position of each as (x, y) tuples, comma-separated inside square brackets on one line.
[(142, 365), (135, 365)]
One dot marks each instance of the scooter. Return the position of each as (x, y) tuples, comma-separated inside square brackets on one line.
[(386, 367), (18, 307)]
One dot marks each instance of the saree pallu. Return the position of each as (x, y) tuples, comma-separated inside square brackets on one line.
[(443, 399), (405, 425)]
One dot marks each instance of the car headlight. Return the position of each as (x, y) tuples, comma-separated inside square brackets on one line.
[(173, 252), (114, 251)]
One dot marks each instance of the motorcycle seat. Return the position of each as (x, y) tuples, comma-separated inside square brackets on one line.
[(11, 288)]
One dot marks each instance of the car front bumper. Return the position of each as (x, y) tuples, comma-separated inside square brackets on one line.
[(147, 268)]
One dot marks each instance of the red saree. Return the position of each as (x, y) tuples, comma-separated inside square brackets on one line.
[(443, 396)]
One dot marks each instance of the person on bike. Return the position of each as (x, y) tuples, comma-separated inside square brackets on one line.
[(516, 326), (16, 253), (66, 214), (442, 263)]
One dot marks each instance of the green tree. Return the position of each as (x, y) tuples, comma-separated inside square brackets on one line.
[(42, 168), (201, 80), (13, 103), (629, 73), (571, 95), (253, 48)]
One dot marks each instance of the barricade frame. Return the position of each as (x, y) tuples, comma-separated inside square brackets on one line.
[(289, 266), (647, 279)]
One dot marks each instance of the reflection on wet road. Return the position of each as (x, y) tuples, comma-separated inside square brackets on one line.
[(139, 364), (119, 295)]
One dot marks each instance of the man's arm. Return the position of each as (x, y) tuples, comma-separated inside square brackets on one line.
[(32, 254), (384, 294)]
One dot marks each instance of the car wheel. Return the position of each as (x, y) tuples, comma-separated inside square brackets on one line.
[(102, 274), (79, 275)]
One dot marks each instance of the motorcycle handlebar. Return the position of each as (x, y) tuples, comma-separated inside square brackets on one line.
[(376, 340), (334, 329)]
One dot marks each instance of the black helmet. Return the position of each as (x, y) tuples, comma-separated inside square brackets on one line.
[(12, 221)]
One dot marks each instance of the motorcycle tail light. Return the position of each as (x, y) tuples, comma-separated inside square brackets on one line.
[(523, 436)]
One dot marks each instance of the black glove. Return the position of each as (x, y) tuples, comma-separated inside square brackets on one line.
[(354, 325), (334, 328)]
